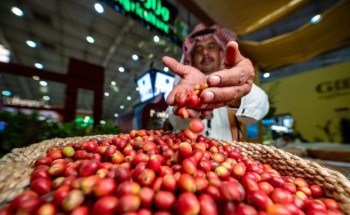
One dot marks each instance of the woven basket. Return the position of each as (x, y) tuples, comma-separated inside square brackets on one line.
[(16, 167)]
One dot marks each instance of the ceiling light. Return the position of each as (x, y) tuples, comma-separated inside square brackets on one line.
[(315, 19), (99, 8), (90, 39), (43, 83), (113, 83), (4, 54), (166, 69), (135, 57), (106, 93), (121, 69), (266, 75), (6, 93), (156, 39), (17, 11), (46, 98), (38, 65), (4, 58), (36, 78), (31, 43), (4, 51), (116, 115), (86, 119), (128, 98), (122, 107)]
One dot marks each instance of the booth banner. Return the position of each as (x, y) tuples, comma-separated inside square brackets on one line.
[(154, 113), (318, 101)]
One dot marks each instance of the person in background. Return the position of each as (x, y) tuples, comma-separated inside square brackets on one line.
[(344, 123), (211, 55)]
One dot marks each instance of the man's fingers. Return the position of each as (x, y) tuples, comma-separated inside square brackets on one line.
[(212, 106), (207, 113), (238, 69), (190, 76), (193, 113), (223, 94), (232, 54), (170, 100), (177, 67), (234, 76)]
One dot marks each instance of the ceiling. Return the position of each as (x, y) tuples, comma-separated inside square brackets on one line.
[(279, 33), (60, 29)]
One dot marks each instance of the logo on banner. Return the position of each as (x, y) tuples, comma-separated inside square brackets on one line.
[(334, 89)]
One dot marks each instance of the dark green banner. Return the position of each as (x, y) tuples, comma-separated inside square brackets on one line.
[(157, 15)]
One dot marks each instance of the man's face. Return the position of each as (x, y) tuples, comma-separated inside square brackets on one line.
[(207, 56)]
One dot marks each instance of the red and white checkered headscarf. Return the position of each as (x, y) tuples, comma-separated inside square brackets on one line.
[(203, 32)]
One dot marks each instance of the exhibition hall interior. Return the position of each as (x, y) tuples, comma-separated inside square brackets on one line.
[(185, 107), (93, 67)]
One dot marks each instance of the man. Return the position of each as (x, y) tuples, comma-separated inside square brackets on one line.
[(211, 56)]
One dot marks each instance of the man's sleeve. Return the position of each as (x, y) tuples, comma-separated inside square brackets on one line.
[(254, 106)]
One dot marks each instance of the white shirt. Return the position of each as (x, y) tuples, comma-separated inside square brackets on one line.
[(254, 106)]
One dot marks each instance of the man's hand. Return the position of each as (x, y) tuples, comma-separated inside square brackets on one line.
[(226, 87), (229, 85), (190, 76)]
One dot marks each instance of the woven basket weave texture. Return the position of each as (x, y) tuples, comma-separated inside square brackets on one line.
[(16, 167)]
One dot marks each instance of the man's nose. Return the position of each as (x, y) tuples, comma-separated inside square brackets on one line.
[(205, 50)]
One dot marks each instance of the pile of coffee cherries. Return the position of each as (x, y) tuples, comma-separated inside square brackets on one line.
[(162, 173)]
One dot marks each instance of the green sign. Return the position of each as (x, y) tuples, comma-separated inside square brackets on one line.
[(84, 122), (155, 12)]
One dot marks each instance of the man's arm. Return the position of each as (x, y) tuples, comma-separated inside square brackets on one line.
[(253, 107), (227, 87)]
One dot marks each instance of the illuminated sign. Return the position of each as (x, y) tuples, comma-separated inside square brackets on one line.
[(154, 82), (151, 11), (84, 122), (157, 14), (158, 114), (23, 102), (144, 85), (164, 83)]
